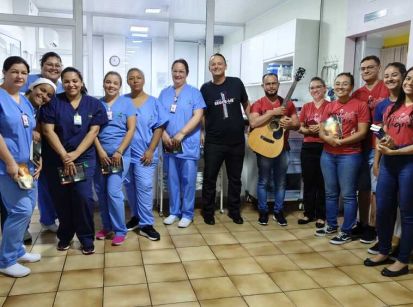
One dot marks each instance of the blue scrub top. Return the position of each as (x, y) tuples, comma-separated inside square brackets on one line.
[(16, 136), (34, 77), (149, 116), (112, 134), (189, 100), (60, 112)]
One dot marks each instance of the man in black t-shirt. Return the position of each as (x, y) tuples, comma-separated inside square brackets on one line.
[(224, 137)]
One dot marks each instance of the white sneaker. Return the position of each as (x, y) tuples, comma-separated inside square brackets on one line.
[(16, 270), (30, 257), (52, 227), (170, 220), (184, 222)]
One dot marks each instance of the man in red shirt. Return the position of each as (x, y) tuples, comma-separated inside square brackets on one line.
[(373, 92), (262, 111)]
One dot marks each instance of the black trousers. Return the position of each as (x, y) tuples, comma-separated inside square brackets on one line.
[(214, 156), (74, 207), (314, 195)]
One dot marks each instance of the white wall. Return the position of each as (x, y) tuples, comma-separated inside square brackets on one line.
[(98, 71), (161, 76), (189, 52), (113, 45)]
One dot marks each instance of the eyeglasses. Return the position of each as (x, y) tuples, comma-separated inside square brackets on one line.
[(370, 67)]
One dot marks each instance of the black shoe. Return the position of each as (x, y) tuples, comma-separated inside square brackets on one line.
[(327, 230), (133, 223), (394, 253), (386, 272), (369, 235), (63, 246), (374, 250), (319, 225), (279, 217), (149, 232), (305, 220), (88, 250), (236, 218), (341, 238), (369, 262), (209, 219), (263, 218), (357, 231)]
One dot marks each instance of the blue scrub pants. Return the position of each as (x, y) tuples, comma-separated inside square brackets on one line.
[(277, 167), (395, 181), (139, 189), (19, 205), (45, 203), (181, 185), (74, 207), (340, 177), (111, 199)]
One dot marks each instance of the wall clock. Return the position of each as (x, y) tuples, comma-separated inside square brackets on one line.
[(114, 60)]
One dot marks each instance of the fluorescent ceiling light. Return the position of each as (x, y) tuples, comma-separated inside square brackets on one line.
[(140, 34), (152, 11), (138, 42), (130, 51), (139, 29)]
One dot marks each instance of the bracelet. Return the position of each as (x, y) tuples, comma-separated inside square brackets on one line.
[(119, 152)]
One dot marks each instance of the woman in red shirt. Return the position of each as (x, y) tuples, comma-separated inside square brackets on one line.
[(345, 124), (396, 180), (310, 117)]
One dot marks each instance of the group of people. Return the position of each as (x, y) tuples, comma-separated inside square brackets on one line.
[(112, 143)]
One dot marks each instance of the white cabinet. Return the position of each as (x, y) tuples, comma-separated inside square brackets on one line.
[(270, 43), (251, 60), (279, 41)]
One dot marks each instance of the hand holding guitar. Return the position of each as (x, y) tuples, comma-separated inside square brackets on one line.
[(286, 122), (278, 111)]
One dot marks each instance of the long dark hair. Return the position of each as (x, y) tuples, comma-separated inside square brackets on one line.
[(401, 98), (11, 60), (83, 90)]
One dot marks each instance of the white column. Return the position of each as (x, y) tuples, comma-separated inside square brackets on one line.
[(89, 37), (171, 48), (209, 38), (78, 34)]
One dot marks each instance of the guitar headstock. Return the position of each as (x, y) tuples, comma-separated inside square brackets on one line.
[(299, 74)]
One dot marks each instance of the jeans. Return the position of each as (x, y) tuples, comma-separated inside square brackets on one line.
[(214, 156), (340, 176), (314, 198), (395, 178), (277, 167)]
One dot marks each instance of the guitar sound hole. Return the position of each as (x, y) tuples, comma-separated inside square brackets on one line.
[(266, 139), (274, 125)]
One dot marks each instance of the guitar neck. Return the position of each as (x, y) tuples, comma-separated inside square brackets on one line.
[(290, 93)]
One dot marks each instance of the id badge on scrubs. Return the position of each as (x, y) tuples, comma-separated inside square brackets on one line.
[(173, 108), (25, 120), (109, 114), (77, 119)]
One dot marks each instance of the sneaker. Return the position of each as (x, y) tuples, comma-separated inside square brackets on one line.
[(327, 230), (341, 238), (357, 231), (63, 246), (133, 223), (263, 218), (374, 250), (30, 257), (118, 240), (369, 235), (305, 220), (16, 270), (149, 232), (89, 250), (52, 227), (279, 217), (170, 219), (184, 222), (101, 234)]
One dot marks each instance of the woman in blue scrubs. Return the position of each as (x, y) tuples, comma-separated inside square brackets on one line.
[(112, 146), (182, 140), (150, 122), (70, 124), (16, 126)]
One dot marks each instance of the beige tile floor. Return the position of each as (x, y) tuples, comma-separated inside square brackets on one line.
[(222, 265)]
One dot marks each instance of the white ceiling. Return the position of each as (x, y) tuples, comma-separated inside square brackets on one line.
[(116, 16)]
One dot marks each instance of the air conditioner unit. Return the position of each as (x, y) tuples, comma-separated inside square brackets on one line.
[(218, 40)]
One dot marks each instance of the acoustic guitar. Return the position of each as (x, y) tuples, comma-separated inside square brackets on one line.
[(268, 139)]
